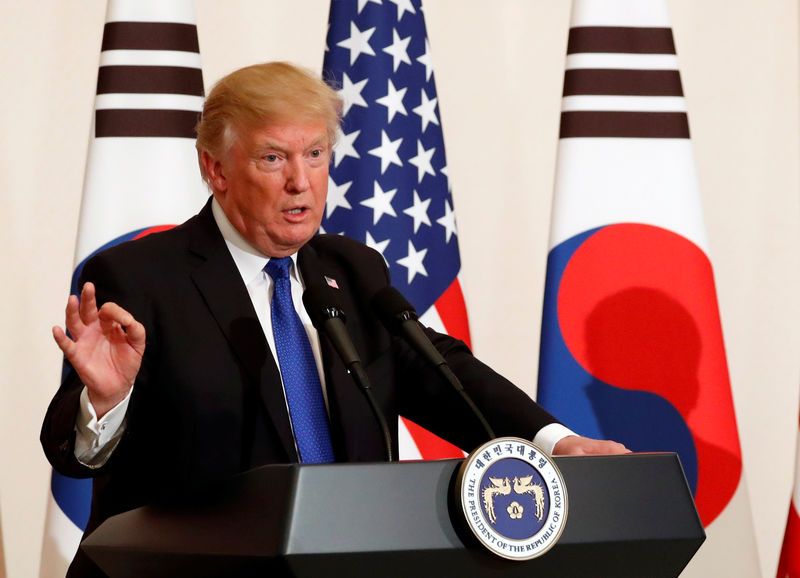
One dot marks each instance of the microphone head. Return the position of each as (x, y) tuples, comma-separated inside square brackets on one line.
[(322, 303), (392, 308)]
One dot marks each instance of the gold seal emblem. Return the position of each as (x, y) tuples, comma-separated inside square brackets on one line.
[(513, 498)]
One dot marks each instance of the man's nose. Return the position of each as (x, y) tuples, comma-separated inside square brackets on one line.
[(297, 175)]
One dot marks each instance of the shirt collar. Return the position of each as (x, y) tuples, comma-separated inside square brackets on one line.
[(249, 260)]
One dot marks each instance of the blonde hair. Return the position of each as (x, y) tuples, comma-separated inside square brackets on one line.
[(263, 94)]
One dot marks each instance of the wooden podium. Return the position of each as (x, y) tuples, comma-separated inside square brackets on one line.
[(629, 516)]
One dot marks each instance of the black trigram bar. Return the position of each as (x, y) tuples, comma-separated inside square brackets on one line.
[(622, 39), (150, 36), (607, 81), (150, 79), (145, 123), (624, 124)]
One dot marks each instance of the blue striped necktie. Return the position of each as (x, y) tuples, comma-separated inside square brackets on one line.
[(299, 370)]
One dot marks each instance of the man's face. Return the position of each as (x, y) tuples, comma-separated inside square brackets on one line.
[(272, 184)]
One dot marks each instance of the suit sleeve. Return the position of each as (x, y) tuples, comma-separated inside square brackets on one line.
[(436, 406)]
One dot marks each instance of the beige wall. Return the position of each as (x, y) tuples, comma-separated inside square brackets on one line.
[(499, 75)]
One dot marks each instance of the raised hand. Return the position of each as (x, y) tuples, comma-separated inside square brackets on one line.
[(105, 348)]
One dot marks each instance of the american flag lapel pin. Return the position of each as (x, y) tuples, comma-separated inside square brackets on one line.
[(331, 282)]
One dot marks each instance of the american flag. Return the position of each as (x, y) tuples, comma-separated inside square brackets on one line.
[(389, 184)]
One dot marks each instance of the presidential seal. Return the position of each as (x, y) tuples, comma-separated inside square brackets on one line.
[(513, 498)]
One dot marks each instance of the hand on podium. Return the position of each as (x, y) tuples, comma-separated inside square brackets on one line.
[(583, 446)]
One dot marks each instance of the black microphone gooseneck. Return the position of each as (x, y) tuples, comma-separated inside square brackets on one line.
[(400, 318), (322, 305)]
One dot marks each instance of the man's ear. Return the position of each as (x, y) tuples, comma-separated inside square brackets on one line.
[(213, 170)]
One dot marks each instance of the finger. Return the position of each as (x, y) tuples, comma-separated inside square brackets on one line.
[(113, 318), (136, 335), (73, 317), (65, 344), (88, 306), (616, 447), (112, 313), (609, 447)]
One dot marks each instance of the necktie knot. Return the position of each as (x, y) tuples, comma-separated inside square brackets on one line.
[(278, 268)]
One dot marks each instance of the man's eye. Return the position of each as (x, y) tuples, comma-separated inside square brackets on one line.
[(270, 158), (316, 153)]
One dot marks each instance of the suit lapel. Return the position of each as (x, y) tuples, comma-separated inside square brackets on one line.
[(219, 281), (353, 427)]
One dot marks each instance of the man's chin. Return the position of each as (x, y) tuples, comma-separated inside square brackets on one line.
[(290, 244)]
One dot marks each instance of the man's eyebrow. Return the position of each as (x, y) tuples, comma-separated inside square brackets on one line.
[(321, 140), (268, 145)]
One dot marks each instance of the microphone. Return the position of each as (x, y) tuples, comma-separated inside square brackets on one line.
[(400, 319), (323, 306)]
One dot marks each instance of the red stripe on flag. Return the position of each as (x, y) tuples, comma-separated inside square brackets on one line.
[(453, 312), (431, 447), (789, 565)]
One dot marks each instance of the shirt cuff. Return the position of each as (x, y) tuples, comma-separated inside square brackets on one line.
[(550, 435), (96, 439)]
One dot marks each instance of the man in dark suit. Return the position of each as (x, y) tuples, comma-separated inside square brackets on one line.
[(177, 379)]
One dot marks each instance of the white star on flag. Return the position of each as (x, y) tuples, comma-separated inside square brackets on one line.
[(425, 60), (351, 93), (419, 212), (427, 111), (398, 49), (380, 203), (413, 261), (448, 221), (393, 101), (403, 6), (387, 152), (358, 43), (379, 246), (344, 146), (423, 161), (336, 196)]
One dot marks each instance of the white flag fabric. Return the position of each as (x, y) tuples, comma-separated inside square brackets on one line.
[(632, 345), (141, 176)]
